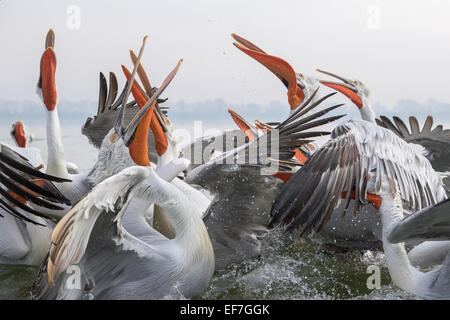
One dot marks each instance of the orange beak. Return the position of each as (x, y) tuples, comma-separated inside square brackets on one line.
[(139, 147), (346, 87), (349, 93), (161, 142), (243, 125), (47, 75), (19, 134), (281, 68)]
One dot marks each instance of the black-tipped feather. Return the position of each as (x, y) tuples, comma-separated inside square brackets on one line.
[(95, 129), (18, 162), (436, 141), (17, 176)]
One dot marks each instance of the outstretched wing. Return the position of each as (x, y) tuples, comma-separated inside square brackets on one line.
[(95, 129), (23, 187), (243, 194), (431, 223), (436, 141), (357, 151), (92, 236), (276, 148)]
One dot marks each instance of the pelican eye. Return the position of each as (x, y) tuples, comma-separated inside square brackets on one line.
[(113, 138)]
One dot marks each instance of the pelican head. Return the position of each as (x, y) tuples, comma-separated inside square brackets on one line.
[(46, 87), (20, 134), (166, 143), (353, 89), (299, 86), (126, 144)]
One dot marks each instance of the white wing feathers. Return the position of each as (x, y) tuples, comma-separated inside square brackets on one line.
[(71, 235), (356, 152)]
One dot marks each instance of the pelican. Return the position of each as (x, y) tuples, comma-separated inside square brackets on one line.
[(22, 137), (146, 264), (114, 263), (362, 232), (435, 142), (105, 165), (167, 151), (125, 153), (300, 87), (243, 193), (371, 164), (20, 134), (56, 163), (161, 142)]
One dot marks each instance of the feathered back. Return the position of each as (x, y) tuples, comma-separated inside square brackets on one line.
[(357, 151)]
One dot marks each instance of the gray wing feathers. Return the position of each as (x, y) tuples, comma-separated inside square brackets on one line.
[(356, 150), (436, 141), (95, 129), (431, 223)]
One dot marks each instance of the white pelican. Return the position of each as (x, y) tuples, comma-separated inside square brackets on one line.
[(361, 232), (167, 150), (242, 193), (20, 134), (435, 143), (146, 264), (104, 167), (116, 264), (161, 141), (22, 138), (300, 87), (356, 91), (56, 163), (371, 164)]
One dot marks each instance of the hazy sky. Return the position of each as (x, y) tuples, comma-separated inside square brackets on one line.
[(400, 49)]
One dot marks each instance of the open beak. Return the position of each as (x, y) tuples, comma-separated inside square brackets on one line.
[(149, 90), (264, 127), (135, 130), (19, 134), (47, 75), (244, 125), (281, 68), (347, 88)]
